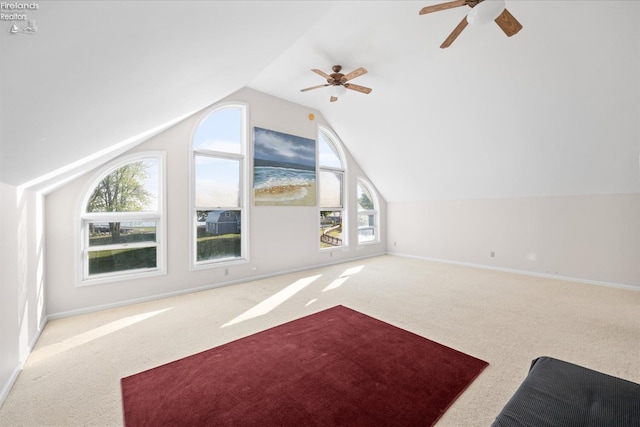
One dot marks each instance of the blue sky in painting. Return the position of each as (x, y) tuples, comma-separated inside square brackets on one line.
[(281, 147)]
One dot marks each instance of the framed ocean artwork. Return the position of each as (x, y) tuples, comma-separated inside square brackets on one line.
[(284, 169)]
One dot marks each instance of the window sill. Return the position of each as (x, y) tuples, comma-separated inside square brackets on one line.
[(111, 278), (217, 264)]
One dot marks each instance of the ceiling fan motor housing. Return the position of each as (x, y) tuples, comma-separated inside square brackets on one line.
[(336, 76)]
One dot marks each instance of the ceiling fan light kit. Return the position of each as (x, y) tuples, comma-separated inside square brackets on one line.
[(336, 90), (482, 12), (485, 12)]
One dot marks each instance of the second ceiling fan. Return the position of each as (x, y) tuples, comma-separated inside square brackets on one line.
[(482, 11), (338, 82)]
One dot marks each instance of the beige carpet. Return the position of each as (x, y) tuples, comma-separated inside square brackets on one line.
[(72, 378)]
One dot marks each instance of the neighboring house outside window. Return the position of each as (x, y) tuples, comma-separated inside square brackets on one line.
[(122, 220), (367, 213), (331, 177), (218, 187)]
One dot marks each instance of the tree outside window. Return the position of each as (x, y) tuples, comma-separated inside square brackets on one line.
[(122, 221)]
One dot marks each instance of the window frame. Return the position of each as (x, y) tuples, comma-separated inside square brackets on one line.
[(333, 139), (158, 216), (243, 198), (363, 182)]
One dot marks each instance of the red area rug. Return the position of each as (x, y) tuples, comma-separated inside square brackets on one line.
[(337, 367)]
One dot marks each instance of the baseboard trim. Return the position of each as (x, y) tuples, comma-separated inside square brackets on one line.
[(92, 309), (523, 272), (4, 393), (6, 389)]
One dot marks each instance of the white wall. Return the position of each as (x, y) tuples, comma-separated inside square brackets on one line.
[(21, 279), (281, 238), (593, 238), (534, 157)]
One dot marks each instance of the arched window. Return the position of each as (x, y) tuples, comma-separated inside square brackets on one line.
[(331, 182), (218, 187), (123, 220), (367, 213)]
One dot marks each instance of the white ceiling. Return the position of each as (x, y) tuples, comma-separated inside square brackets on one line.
[(553, 110)]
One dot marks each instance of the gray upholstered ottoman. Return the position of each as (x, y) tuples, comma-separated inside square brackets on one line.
[(560, 394)]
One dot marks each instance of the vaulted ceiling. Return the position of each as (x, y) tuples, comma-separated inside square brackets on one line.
[(553, 110)]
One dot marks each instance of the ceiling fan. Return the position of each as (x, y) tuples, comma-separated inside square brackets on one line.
[(482, 11), (337, 82)]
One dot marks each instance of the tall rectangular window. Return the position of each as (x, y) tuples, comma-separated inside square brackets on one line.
[(331, 192), (367, 213), (218, 187)]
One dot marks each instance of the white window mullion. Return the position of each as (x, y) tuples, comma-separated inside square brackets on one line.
[(117, 246)]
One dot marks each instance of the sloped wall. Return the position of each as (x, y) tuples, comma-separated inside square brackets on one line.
[(281, 238), (21, 279)]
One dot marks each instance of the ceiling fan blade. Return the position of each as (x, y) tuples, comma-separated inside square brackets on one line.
[(357, 88), (314, 87), (333, 99), (352, 75), (443, 6), (508, 23), (323, 74), (455, 33)]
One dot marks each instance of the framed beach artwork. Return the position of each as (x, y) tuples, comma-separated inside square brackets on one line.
[(284, 169)]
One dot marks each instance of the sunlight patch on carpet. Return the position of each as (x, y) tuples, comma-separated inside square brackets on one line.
[(335, 284), (273, 301), (343, 278), (351, 271), (44, 353)]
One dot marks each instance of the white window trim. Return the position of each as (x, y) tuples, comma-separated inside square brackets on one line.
[(244, 183), (337, 143), (375, 212), (83, 218), (332, 136)]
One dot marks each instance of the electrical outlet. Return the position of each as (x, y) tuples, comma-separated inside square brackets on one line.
[(493, 254), (226, 271)]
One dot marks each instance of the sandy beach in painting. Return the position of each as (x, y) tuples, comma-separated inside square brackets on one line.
[(290, 195), (284, 169)]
